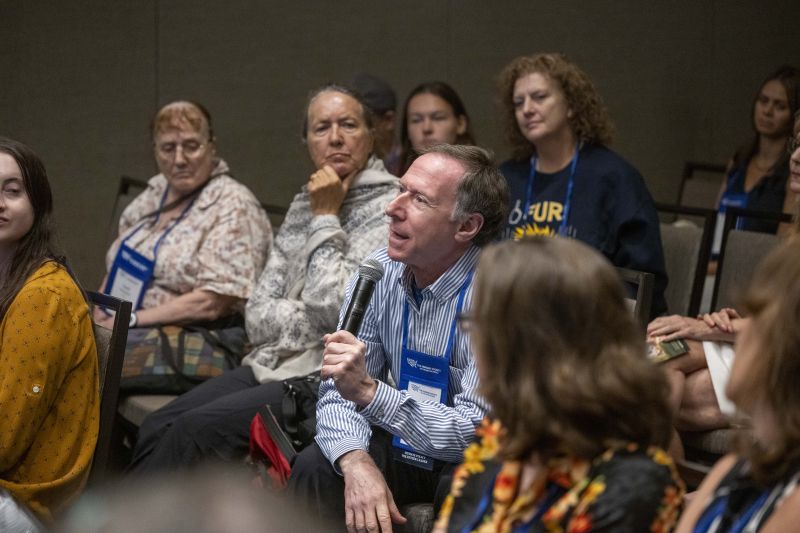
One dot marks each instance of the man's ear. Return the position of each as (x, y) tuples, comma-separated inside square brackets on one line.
[(469, 227)]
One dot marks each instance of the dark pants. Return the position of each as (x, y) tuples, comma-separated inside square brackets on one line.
[(315, 482), (210, 422)]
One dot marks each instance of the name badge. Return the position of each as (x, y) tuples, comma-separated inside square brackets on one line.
[(425, 379), (130, 275)]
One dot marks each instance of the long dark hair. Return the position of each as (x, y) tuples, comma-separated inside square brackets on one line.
[(449, 95), (36, 246), (789, 78)]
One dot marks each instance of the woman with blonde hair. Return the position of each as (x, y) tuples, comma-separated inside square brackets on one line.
[(579, 411), (189, 250), (202, 236), (563, 178)]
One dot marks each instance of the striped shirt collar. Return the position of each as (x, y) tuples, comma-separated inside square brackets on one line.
[(445, 287)]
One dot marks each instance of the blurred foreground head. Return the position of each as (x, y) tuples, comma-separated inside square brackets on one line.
[(203, 501)]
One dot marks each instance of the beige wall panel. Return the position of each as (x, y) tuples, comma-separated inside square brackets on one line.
[(255, 65), (77, 84), (82, 79)]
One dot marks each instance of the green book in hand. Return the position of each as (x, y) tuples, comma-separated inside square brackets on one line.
[(660, 352)]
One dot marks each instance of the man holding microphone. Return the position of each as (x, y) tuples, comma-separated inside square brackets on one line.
[(380, 445)]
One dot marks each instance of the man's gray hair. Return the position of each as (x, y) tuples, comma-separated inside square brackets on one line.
[(482, 189)]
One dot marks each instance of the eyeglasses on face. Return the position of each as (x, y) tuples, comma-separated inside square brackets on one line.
[(190, 148)]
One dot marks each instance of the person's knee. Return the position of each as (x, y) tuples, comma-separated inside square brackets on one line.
[(153, 428), (699, 391), (700, 410)]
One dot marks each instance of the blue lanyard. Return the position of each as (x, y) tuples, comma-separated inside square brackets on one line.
[(736, 174), (570, 184), (158, 217), (718, 508), (459, 304)]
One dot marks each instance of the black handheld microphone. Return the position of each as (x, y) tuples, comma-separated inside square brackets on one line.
[(369, 273)]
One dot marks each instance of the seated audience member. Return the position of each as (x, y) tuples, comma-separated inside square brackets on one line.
[(756, 177), (698, 379), (564, 180), (49, 382), (332, 225), (381, 99), (433, 114), (579, 411), (198, 237), (754, 489), (378, 446)]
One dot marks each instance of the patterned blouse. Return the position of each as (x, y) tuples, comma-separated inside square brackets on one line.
[(297, 298), (221, 244), (49, 392), (625, 489)]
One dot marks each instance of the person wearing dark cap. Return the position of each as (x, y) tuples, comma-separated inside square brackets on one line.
[(382, 100)]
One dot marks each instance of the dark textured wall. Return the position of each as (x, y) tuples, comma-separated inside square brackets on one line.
[(80, 80)]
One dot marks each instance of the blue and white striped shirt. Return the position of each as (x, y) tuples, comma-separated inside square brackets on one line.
[(436, 430)]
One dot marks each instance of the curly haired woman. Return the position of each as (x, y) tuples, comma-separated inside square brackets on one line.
[(563, 178)]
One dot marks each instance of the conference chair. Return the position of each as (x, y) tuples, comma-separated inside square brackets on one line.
[(687, 249), (740, 253), (110, 353), (641, 285), (700, 184)]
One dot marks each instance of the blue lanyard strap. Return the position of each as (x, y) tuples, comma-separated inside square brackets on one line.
[(718, 509), (158, 217), (570, 184), (459, 305)]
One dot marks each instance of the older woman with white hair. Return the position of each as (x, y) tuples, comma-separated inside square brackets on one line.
[(333, 223)]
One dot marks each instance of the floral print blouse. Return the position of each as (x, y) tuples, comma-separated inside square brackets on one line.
[(625, 489), (220, 245)]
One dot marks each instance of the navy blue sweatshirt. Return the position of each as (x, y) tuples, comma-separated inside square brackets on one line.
[(611, 210)]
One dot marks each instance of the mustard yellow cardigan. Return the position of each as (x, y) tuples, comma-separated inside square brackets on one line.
[(49, 392)]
